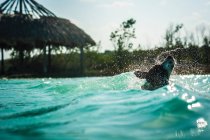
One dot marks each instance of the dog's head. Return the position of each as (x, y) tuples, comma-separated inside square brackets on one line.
[(168, 64)]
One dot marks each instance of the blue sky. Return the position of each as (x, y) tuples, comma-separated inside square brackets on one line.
[(99, 18)]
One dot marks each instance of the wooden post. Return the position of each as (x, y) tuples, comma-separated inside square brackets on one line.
[(49, 58), (2, 60), (21, 56), (81, 61), (44, 60)]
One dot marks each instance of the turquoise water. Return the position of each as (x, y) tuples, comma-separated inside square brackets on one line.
[(104, 108)]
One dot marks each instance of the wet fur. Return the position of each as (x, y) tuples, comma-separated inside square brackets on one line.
[(158, 76)]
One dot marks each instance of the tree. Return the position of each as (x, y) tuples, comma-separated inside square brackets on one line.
[(206, 50), (121, 39), (171, 38)]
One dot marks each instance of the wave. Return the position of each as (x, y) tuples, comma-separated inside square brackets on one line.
[(112, 107), (34, 112)]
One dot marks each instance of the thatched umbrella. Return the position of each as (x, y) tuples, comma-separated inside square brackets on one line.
[(48, 30), (38, 29)]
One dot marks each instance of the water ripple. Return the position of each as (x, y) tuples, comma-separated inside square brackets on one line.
[(112, 107), (35, 112)]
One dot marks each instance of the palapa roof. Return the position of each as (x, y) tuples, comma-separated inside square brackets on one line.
[(33, 24)]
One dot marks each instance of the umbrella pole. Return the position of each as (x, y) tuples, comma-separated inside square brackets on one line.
[(21, 56), (45, 60), (49, 58), (2, 60), (81, 61)]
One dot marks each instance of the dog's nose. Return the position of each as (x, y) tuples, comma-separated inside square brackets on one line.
[(169, 57)]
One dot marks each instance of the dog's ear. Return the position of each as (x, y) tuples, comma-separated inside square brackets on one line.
[(140, 74)]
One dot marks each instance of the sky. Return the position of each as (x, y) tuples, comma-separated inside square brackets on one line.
[(99, 18)]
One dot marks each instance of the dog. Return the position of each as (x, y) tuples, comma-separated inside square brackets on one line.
[(158, 76)]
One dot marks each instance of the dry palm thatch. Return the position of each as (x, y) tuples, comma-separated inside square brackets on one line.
[(59, 31), (18, 25), (23, 29), (15, 30)]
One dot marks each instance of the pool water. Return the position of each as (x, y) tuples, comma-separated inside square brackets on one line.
[(104, 108)]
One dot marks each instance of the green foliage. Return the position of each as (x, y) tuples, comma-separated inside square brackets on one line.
[(121, 39), (173, 41), (66, 62), (97, 64)]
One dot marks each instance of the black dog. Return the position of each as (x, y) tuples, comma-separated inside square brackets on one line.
[(158, 75)]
